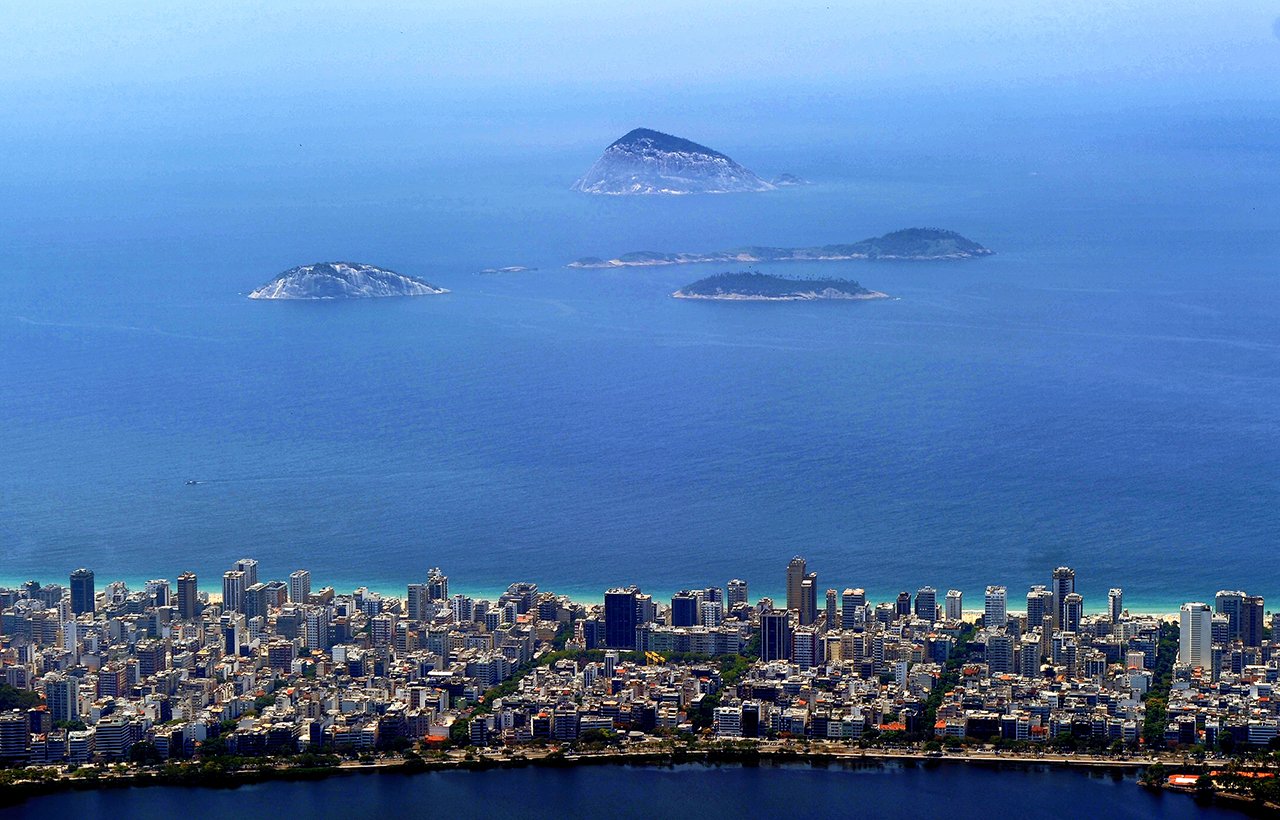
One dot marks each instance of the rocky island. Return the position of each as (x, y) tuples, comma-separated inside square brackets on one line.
[(508, 269), (913, 244), (761, 287), (650, 162), (342, 280)]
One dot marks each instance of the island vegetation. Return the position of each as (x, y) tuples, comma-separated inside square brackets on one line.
[(763, 287), (911, 244)]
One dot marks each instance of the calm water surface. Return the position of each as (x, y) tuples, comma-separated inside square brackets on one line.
[(959, 792), (1104, 392)]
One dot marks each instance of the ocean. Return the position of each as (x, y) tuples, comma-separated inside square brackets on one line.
[(1101, 393)]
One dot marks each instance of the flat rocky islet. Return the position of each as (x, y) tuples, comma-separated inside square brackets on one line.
[(749, 286), (342, 280), (911, 244), (508, 269)]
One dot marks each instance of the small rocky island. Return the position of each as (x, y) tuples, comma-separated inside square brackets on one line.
[(912, 244), (342, 280), (762, 287), (508, 269), (650, 162)]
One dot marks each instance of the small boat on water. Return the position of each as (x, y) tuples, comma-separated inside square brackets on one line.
[(191, 482)]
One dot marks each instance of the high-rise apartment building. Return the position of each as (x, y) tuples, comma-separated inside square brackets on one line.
[(1251, 620), (711, 613), (1064, 583), (1195, 635), (233, 587), (737, 593), (420, 606), (82, 591), (620, 611), (807, 647), (1039, 604), (249, 566), (684, 609), (955, 605), (995, 611), (797, 569), (851, 600), (775, 635), (926, 603), (809, 599), (299, 586), (15, 737), (158, 592), (437, 584), (1231, 603), (188, 596), (1115, 604), (1000, 652), (62, 696), (1072, 612)]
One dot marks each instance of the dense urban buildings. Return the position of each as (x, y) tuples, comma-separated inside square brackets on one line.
[(277, 667)]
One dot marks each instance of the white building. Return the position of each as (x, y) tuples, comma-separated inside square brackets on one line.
[(996, 612), (1195, 636), (955, 605)]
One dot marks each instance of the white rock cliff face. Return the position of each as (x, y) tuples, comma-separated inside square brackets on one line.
[(342, 280), (650, 162)]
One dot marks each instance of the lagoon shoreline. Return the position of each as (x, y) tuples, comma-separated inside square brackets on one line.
[(755, 755)]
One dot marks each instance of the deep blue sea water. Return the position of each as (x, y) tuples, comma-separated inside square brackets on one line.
[(1104, 392), (635, 792)]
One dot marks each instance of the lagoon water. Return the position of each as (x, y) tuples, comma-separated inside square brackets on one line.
[(625, 792), (1104, 392)]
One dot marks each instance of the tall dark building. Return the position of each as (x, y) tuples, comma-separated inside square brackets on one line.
[(809, 599), (82, 591), (620, 618), (1039, 604), (592, 633), (796, 572), (188, 603), (1064, 583), (903, 607), (253, 601), (437, 584), (1231, 603), (1251, 617), (684, 609), (775, 635), (1072, 612), (926, 603)]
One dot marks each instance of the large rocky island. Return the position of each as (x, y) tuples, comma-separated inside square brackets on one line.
[(650, 162), (913, 244), (761, 287), (342, 280)]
